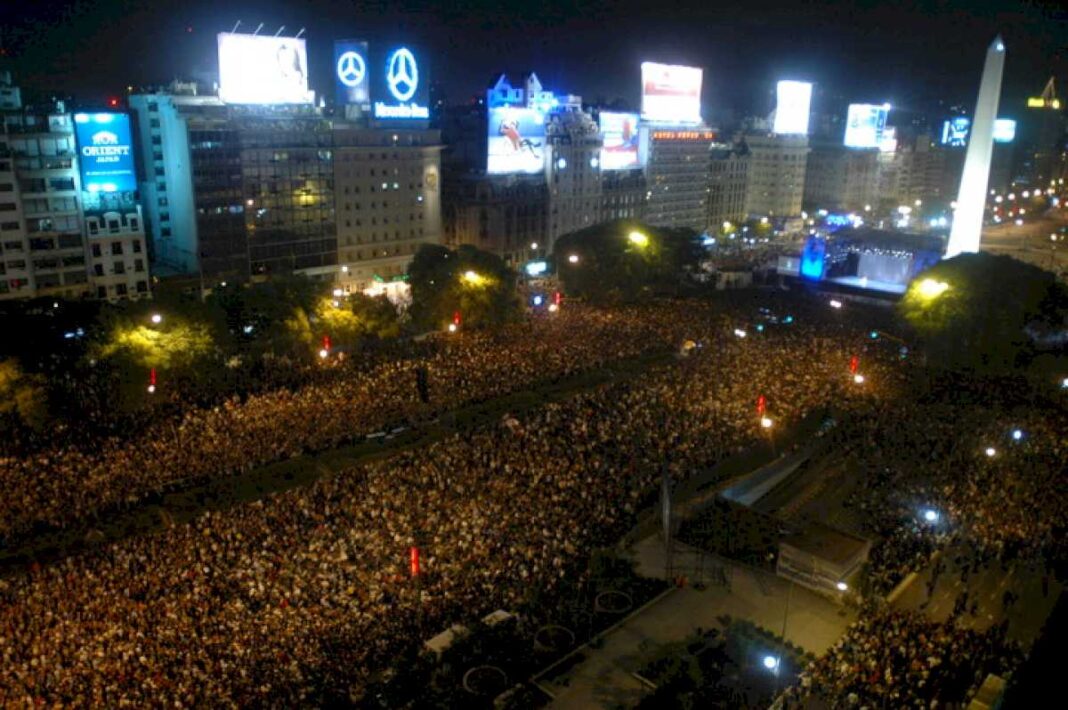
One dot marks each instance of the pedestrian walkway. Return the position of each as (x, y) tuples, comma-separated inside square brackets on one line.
[(604, 677)]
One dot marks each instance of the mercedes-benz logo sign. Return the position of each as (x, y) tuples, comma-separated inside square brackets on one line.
[(402, 74), (350, 69)]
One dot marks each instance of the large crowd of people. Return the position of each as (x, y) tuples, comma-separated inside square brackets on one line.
[(302, 595), (901, 660)]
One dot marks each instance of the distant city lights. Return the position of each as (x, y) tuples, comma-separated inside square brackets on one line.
[(835, 303)]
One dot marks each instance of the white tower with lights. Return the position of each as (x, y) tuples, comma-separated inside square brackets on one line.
[(968, 219)]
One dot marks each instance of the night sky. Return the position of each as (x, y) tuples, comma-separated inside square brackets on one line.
[(858, 51)]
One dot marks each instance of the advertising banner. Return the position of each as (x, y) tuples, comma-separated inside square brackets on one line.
[(793, 99), (955, 132), (263, 70), (1004, 130), (105, 152), (865, 124), (400, 86), (515, 141), (620, 134), (671, 93), (352, 77)]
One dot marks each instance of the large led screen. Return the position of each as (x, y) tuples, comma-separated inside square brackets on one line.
[(1004, 130), (792, 107), (516, 141), (671, 93), (865, 124), (262, 70), (105, 152), (352, 75), (955, 132), (400, 86), (620, 134)]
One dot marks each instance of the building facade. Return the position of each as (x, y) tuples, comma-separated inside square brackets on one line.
[(841, 178), (728, 182), (507, 215), (573, 173), (776, 175), (677, 176)]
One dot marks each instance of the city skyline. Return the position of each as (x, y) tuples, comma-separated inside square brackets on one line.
[(866, 54)]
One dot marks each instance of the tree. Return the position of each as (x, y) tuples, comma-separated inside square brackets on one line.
[(23, 398), (625, 260), (975, 311), (350, 321), (475, 283)]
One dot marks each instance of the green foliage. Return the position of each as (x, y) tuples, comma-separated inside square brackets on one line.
[(440, 287), (352, 320), (980, 320), (611, 267), (23, 398)]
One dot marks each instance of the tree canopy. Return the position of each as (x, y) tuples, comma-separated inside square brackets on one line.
[(475, 283), (624, 260), (980, 311)]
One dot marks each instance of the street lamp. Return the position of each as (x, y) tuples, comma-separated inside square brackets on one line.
[(157, 318), (765, 422), (835, 303), (324, 353), (638, 239), (858, 378), (1017, 434), (929, 288), (473, 278), (771, 663), (533, 245), (930, 516), (574, 258), (842, 586), (990, 452), (740, 333)]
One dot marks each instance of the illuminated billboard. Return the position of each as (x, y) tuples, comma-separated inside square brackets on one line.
[(263, 70), (1004, 130), (516, 140), (351, 76), (888, 140), (865, 124), (955, 132), (620, 148), (400, 86), (671, 93), (793, 99), (105, 152)]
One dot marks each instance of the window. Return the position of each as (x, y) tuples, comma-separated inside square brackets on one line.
[(98, 269), (142, 287), (6, 187), (120, 290), (137, 247), (61, 183), (139, 265), (116, 248), (96, 250), (118, 267), (9, 226), (101, 291), (7, 206)]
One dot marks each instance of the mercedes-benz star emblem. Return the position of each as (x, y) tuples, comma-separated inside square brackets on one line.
[(350, 69), (402, 74)]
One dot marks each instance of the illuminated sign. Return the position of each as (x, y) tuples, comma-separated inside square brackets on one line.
[(955, 132), (813, 257), (105, 152), (865, 125), (792, 107), (401, 87), (263, 70), (684, 135), (671, 93), (516, 140), (351, 72), (536, 268), (888, 140), (1004, 130), (619, 151)]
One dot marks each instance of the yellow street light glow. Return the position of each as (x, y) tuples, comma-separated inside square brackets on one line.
[(842, 586), (858, 378), (638, 239), (157, 318), (474, 278), (338, 293), (452, 327), (765, 422), (929, 288), (324, 353)]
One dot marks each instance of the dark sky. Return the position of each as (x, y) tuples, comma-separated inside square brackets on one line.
[(908, 53)]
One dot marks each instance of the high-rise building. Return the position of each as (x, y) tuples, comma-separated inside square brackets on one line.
[(776, 175), (1043, 154), (728, 181), (70, 222), (622, 195), (573, 173), (387, 186), (841, 178), (677, 174)]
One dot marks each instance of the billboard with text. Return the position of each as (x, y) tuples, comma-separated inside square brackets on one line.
[(793, 99), (254, 69), (671, 93), (105, 152), (352, 76), (515, 141), (619, 131), (865, 124)]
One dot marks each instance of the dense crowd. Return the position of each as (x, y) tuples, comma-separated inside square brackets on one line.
[(69, 486), (298, 598), (901, 660)]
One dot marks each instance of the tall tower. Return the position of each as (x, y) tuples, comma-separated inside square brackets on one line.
[(968, 219)]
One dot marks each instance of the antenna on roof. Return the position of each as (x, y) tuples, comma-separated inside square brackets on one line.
[(258, 30), (236, 25), (279, 30), (299, 33)]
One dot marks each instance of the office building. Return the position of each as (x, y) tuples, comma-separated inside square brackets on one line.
[(841, 178), (776, 175), (677, 175), (728, 182), (574, 172), (623, 195)]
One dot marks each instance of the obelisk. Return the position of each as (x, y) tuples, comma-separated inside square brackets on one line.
[(968, 218)]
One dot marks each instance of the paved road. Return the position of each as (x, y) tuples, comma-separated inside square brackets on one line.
[(1030, 242)]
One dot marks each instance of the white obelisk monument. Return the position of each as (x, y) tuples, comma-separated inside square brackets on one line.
[(968, 218)]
